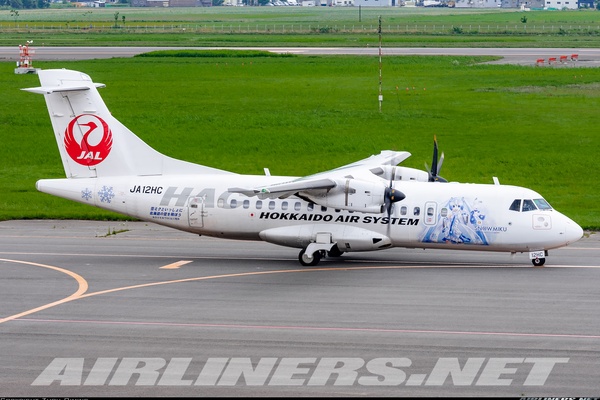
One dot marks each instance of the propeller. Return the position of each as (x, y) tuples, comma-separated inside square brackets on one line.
[(436, 165), (391, 196)]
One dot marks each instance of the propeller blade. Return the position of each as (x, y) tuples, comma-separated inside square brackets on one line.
[(387, 204), (391, 196), (436, 165)]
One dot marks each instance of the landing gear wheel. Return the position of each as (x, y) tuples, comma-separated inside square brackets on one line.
[(309, 261), (538, 262), (334, 252)]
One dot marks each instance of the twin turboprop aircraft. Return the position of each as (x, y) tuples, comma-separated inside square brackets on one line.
[(371, 204)]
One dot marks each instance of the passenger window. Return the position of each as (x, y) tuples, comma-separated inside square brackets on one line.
[(444, 212), (417, 211), (310, 206), (258, 204), (284, 205), (297, 206), (403, 210), (528, 206), (430, 211), (246, 203), (323, 208), (271, 205), (516, 205), (233, 203), (221, 203)]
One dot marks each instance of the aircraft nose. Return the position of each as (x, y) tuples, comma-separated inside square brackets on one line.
[(573, 231)]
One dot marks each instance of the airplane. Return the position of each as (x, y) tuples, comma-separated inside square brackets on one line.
[(369, 205)]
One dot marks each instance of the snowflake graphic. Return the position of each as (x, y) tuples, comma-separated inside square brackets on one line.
[(106, 194), (86, 194)]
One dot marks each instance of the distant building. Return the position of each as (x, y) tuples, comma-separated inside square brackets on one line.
[(375, 3), (560, 4), (171, 3), (478, 3), (501, 3), (523, 4)]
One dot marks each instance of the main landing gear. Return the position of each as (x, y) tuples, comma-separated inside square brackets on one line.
[(308, 260)]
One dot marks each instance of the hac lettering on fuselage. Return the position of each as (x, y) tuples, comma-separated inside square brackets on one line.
[(368, 205)]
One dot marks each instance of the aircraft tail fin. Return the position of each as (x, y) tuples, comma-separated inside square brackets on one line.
[(92, 143)]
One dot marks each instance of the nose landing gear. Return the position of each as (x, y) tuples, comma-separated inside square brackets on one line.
[(538, 262), (538, 258)]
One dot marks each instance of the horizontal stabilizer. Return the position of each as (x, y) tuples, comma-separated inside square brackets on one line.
[(59, 89)]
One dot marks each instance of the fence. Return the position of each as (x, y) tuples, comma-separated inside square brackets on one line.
[(424, 29)]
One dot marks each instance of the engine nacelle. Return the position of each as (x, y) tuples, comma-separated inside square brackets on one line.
[(389, 172), (354, 195)]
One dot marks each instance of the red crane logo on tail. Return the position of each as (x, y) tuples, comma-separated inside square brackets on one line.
[(96, 139)]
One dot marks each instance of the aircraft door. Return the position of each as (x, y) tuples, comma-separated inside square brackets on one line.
[(430, 213), (196, 212)]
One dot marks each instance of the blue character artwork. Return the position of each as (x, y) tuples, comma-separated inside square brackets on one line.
[(458, 222)]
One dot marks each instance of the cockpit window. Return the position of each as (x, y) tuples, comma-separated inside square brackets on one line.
[(542, 204), (516, 205), (528, 205)]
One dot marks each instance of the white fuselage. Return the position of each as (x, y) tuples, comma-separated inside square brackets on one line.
[(433, 215)]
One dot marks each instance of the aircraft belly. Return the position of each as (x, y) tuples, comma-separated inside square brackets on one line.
[(348, 238)]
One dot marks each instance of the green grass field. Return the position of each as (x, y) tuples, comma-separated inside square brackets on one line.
[(289, 15), (529, 126), (301, 26)]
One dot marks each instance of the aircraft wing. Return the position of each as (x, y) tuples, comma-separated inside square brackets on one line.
[(386, 157), (367, 169), (286, 189)]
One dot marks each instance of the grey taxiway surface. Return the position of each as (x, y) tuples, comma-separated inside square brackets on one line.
[(586, 57), (135, 309)]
